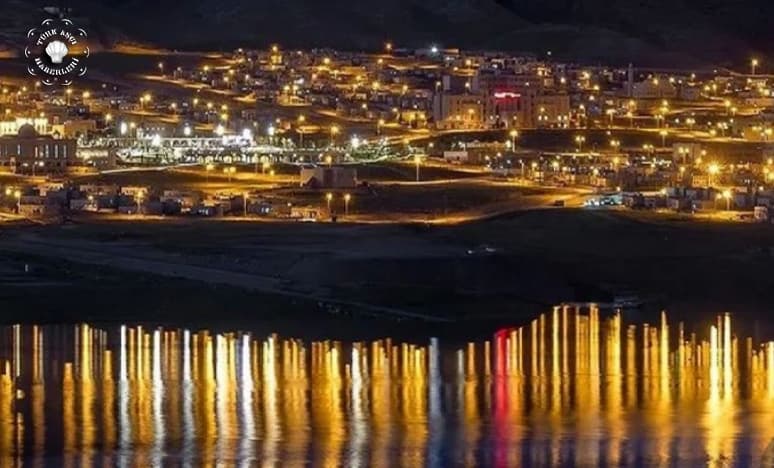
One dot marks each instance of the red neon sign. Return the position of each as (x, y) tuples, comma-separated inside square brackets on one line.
[(506, 95)]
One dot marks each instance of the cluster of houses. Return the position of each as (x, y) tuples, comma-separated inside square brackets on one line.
[(751, 203), (52, 199)]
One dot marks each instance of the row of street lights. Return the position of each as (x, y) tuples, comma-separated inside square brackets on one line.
[(727, 195), (15, 193), (347, 198)]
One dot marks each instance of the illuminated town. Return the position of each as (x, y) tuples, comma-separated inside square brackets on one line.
[(463, 233), (312, 135)]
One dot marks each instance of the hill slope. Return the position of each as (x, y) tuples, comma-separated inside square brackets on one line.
[(621, 30)]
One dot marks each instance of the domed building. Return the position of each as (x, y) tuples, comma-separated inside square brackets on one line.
[(29, 152), (27, 131)]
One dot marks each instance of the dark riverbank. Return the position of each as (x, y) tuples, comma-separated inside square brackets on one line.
[(337, 281)]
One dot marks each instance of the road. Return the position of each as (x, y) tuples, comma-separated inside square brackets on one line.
[(572, 198)]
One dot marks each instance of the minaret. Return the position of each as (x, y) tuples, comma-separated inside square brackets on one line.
[(630, 81)]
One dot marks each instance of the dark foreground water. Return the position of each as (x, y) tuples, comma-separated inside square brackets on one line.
[(570, 388)]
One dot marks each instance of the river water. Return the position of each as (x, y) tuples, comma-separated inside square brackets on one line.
[(573, 387)]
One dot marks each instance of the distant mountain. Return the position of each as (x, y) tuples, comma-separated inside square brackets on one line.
[(669, 32)]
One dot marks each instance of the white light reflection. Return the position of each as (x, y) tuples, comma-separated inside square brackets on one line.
[(247, 456), (272, 435), (188, 414), (358, 436), (158, 397), (122, 364), (125, 425), (222, 388), (435, 421)]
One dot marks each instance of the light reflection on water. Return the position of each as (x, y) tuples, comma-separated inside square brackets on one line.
[(571, 387)]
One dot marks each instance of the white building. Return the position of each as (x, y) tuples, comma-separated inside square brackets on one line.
[(459, 110), (11, 127)]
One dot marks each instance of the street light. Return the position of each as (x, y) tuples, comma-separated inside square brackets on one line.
[(207, 169), (663, 134), (17, 196), (417, 162), (328, 199), (145, 99), (347, 198), (139, 201), (270, 131), (611, 114), (334, 132), (301, 120), (754, 64), (514, 134), (580, 139), (37, 164), (379, 124), (727, 196), (713, 170), (229, 171)]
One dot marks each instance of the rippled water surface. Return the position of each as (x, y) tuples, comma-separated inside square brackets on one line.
[(571, 388)]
